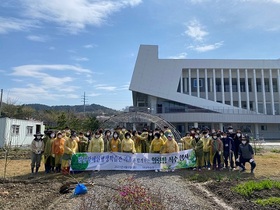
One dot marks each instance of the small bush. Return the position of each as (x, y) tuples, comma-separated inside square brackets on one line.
[(132, 195), (275, 150)]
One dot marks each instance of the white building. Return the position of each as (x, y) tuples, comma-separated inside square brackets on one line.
[(16, 132), (209, 92)]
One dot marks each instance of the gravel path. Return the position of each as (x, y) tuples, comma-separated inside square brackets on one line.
[(175, 191)]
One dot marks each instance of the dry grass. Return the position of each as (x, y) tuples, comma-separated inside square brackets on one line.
[(268, 165)]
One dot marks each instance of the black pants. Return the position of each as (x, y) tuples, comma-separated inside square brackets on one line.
[(235, 157), (243, 161), (217, 159), (228, 157), (49, 164)]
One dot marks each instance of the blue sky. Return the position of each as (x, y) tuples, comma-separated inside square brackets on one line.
[(51, 51)]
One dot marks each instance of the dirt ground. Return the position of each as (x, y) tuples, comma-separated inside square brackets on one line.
[(19, 190)]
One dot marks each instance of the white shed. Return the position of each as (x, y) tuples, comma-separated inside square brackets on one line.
[(17, 132)]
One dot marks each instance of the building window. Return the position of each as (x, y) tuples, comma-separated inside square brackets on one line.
[(15, 130), (195, 83), (264, 127), (29, 130)]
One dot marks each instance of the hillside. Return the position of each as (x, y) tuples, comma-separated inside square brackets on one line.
[(93, 108)]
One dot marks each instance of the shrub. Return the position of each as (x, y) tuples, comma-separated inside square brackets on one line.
[(132, 195)]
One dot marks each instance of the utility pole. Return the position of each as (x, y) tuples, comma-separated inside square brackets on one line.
[(1, 97), (84, 100)]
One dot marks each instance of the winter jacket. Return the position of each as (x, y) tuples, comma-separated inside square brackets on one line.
[(228, 144), (128, 145), (156, 145), (170, 146), (96, 145), (246, 151)]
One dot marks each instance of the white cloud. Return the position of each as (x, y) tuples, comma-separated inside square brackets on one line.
[(204, 48), (42, 74), (33, 93), (195, 31), (199, 1), (182, 55), (88, 46), (13, 24), (37, 38), (75, 15), (90, 81), (17, 80), (105, 87), (36, 71), (93, 94), (80, 59)]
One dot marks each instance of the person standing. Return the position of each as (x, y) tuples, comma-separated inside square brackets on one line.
[(228, 148), (96, 144), (70, 148), (114, 144), (156, 144), (197, 145), (170, 145), (237, 141), (187, 140), (82, 142), (49, 159), (206, 139), (216, 151), (37, 149), (127, 145), (58, 150), (106, 139)]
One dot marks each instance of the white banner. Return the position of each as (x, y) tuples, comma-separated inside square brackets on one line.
[(134, 162)]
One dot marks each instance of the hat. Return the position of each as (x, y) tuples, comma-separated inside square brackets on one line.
[(38, 134), (73, 135)]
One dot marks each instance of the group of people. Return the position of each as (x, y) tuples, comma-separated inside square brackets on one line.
[(212, 149), (217, 150)]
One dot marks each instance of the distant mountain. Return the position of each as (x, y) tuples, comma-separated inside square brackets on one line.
[(93, 108)]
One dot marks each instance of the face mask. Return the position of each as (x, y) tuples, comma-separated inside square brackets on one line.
[(238, 134), (59, 136), (192, 131), (215, 137), (156, 137), (150, 134), (123, 130), (230, 130), (115, 136), (97, 136), (127, 137), (87, 134), (243, 142), (108, 134), (196, 137), (52, 135)]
